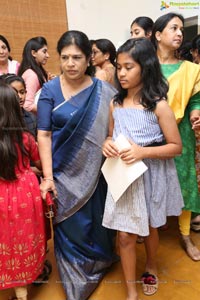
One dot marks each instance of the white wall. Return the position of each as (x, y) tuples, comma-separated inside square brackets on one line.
[(112, 18)]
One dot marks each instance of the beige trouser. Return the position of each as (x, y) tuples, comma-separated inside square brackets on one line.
[(21, 292), (184, 222)]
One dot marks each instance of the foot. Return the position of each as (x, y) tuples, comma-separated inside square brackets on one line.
[(132, 297), (189, 247), (149, 283)]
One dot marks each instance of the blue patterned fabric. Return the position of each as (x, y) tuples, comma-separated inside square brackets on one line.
[(83, 248)]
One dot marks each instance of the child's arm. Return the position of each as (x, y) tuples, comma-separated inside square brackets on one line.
[(37, 169), (109, 149), (36, 165), (169, 128)]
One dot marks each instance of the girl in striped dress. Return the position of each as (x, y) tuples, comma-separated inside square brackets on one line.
[(140, 112)]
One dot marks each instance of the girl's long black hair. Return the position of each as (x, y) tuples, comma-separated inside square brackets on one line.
[(28, 60), (154, 85), (10, 78), (144, 22), (11, 132)]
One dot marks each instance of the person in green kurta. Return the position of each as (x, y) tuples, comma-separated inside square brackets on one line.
[(195, 53), (184, 98)]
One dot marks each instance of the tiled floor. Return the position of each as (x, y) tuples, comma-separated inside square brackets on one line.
[(179, 276)]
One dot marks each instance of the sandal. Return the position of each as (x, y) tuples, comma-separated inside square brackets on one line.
[(195, 226), (149, 283), (44, 276)]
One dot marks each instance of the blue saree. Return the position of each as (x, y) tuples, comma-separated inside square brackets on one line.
[(83, 247)]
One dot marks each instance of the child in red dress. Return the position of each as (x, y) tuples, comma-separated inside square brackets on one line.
[(22, 230)]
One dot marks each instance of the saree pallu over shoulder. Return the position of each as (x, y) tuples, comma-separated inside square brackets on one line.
[(183, 84), (77, 153)]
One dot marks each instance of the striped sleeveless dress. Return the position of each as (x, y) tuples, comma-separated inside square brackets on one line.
[(154, 195)]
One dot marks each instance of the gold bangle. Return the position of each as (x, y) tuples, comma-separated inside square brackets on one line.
[(48, 179)]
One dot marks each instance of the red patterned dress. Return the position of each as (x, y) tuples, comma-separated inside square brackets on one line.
[(22, 232)]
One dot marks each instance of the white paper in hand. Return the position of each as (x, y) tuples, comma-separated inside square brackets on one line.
[(118, 174)]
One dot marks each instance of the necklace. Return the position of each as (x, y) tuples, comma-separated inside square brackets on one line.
[(72, 88), (172, 59), (67, 91)]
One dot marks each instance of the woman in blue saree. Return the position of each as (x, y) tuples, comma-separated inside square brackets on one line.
[(72, 124)]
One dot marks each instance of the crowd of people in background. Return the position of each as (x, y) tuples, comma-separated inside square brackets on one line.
[(57, 130)]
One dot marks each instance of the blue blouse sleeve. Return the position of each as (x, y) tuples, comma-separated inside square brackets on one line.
[(44, 108)]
